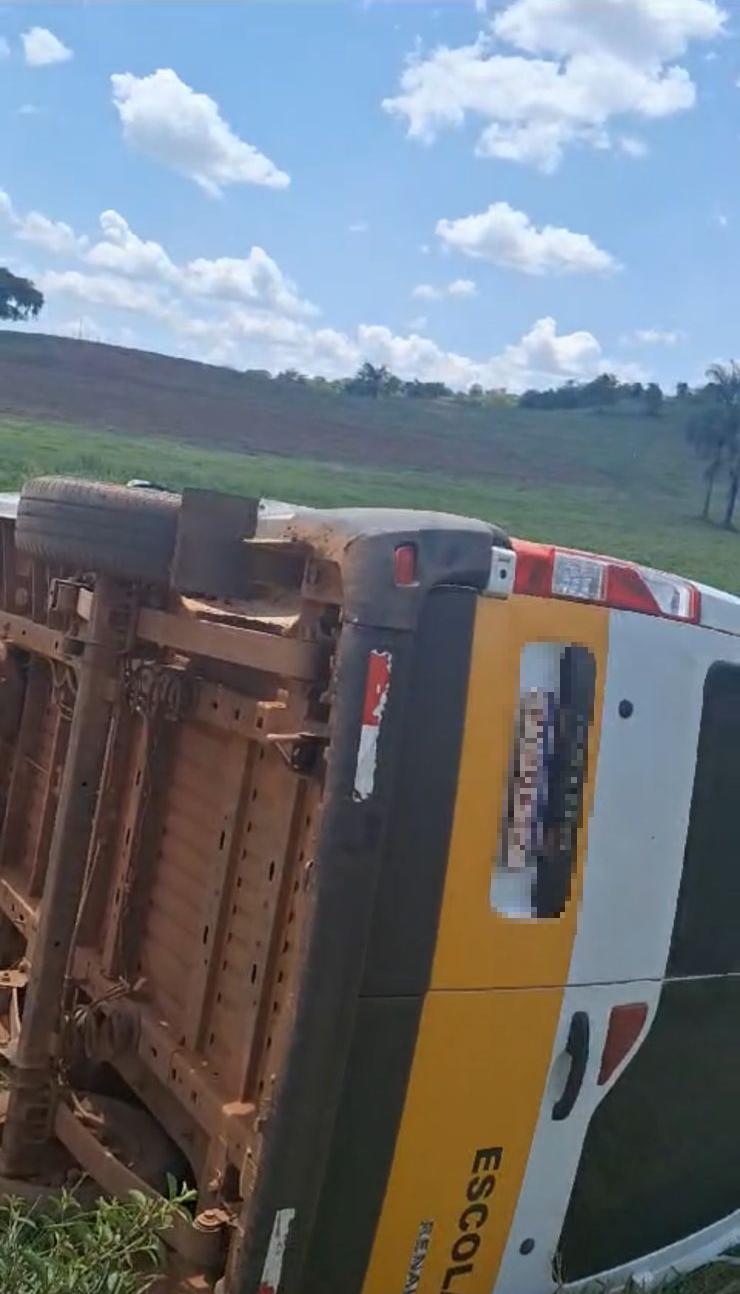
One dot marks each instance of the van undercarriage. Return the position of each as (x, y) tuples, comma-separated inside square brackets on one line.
[(179, 682)]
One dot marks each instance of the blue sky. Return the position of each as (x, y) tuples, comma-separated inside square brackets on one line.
[(516, 194)]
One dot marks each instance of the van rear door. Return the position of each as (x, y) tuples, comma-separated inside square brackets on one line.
[(489, 1023)]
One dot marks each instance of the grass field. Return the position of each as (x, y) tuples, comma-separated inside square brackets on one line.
[(624, 486)]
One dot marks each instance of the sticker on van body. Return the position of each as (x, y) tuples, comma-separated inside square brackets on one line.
[(376, 697), (273, 1268), (418, 1257)]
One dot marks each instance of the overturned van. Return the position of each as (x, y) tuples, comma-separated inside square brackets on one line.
[(374, 874)]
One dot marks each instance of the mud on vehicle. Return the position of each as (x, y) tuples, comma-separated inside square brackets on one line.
[(374, 875)]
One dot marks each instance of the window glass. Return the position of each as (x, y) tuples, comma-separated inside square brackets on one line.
[(706, 937), (544, 795)]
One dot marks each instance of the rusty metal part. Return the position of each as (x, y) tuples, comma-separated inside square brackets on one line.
[(209, 553), (199, 1245), (26, 1128), (64, 596), (12, 982), (16, 907), (38, 638), (153, 689), (272, 653)]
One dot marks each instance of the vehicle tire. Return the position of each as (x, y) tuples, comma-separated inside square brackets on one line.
[(109, 529)]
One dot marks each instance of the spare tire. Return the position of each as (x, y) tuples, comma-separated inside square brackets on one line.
[(97, 527)]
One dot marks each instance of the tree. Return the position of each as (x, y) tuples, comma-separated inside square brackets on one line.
[(653, 400), (369, 380), (709, 431), (20, 299), (682, 390), (603, 392), (724, 387)]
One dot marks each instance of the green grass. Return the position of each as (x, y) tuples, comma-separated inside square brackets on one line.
[(61, 1247), (637, 495)]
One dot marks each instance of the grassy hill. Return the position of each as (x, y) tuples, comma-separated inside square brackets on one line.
[(613, 482)]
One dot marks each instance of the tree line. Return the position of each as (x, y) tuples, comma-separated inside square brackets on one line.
[(602, 393), (377, 382)]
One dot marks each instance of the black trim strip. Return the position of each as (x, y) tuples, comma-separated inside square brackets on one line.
[(401, 948)]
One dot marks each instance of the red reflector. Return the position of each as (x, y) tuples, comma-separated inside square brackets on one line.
[(626, 590), (625, 1026), (404, 564)]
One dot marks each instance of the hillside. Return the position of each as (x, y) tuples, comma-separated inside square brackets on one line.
[(614, 482)]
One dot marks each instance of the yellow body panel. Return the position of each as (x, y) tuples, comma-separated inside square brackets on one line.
[(476, 946), (476, 1084), (488, 1026)]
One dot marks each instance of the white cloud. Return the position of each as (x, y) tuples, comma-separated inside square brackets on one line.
[(123, 252), (28, 110), (608, 60), (103, 290), (457, 288), (256, 280), (42, 48), (52, 235), (4, 48), (508, 238), (359, 227), (640, 31), (542, 356), (632, 146), (657, 337), (168, 121), (722, 219), (462, 288)]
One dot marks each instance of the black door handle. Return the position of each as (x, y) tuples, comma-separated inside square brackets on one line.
[(577, 1048)]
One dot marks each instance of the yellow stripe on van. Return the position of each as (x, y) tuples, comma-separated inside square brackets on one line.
[(487, 1028), (474, 1096)]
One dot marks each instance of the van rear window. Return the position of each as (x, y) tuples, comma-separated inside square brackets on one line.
[(543, 805), (705, 937)]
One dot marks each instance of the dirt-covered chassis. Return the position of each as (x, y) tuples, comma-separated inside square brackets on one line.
[(189, 846)]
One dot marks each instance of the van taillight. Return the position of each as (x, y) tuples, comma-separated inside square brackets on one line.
[(544, 571), (626, 1023), (404, 564)]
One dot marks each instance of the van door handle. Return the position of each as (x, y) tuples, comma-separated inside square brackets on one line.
[(577, 1048)]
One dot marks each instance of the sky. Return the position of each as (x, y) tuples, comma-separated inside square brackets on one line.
[(515, 194)]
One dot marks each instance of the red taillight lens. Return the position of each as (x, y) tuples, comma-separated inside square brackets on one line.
[(626, 590), (404, 564), (626, 1023), (534, 567)]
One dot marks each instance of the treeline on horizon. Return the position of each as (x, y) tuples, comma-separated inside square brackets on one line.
[(601, 393)]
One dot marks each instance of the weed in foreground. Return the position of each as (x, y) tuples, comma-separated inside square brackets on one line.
[(60, 1247)]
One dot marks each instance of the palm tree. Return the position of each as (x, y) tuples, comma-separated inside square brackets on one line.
[(724, 384)]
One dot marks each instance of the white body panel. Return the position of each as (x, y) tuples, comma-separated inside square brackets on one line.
[(635, 850)]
